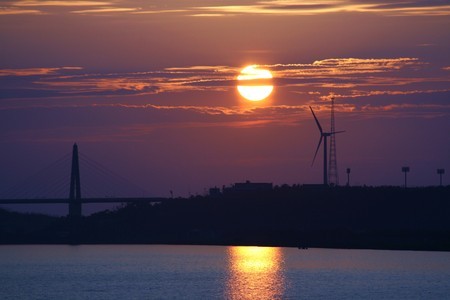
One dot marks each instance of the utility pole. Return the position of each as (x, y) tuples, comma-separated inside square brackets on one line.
[(440, 172), (348, 176), (405, 170)]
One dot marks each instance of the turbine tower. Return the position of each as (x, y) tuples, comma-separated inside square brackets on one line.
[(323, 136), (333, 176)]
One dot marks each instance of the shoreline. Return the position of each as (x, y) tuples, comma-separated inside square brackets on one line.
[(389, 218)]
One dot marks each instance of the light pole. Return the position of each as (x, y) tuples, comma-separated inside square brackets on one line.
[(440, 172), (405, 170)]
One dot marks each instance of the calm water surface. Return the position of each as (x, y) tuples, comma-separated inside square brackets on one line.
[(216, 272)]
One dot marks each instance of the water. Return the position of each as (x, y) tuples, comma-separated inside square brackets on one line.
[(216, 272)]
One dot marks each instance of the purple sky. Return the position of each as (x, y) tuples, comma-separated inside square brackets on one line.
[(148, 89)]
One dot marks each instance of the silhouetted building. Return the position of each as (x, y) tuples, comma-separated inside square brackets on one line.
[(214, 192), (314, 186), (248, 187)]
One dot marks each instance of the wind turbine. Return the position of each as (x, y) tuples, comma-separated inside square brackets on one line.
[(323, 136)]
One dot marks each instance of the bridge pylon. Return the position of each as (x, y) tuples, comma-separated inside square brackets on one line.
[(75, 186)]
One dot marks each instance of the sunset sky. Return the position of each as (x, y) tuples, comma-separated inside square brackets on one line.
[(148, 89)]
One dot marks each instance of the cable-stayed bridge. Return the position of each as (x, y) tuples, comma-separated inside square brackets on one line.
[(75, 179)]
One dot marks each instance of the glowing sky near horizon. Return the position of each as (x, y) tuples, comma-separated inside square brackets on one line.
[(149, 88)]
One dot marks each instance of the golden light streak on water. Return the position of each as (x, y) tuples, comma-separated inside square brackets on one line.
[(255, 273)]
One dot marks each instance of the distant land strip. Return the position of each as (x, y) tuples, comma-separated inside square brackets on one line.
[(287, 216)]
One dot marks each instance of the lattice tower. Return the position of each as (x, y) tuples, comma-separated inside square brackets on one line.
[(333, 177)]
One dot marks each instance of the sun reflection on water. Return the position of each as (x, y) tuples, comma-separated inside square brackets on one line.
[(255, 273)]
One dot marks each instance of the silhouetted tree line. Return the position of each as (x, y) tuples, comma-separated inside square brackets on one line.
[(340, 217)]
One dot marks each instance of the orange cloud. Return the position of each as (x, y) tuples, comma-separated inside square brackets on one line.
[(18, 11), (344, 66), (160, 11), (348, 78), (34, 71), (60, 3), (256, 7), (360, 93), (222, 8), (105, 10), (296, 7)]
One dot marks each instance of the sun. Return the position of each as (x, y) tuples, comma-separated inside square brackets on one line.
[(255, 83)]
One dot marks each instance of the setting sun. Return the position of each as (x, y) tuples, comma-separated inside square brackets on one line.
[(254, 85)]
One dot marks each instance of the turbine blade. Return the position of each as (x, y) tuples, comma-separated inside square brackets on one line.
[(335, 132), (317, 121), (317, 150)]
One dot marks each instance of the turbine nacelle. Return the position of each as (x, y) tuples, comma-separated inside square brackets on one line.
[(322, 135)]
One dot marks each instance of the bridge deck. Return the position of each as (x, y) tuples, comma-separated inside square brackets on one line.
[(82, 200)]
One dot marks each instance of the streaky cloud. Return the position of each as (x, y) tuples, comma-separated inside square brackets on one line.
[(105, 10), (295, 7), (362, 93), (353, 81), (212, 9), (19, 11), (34, 71), (60, 3), (160, 11)]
